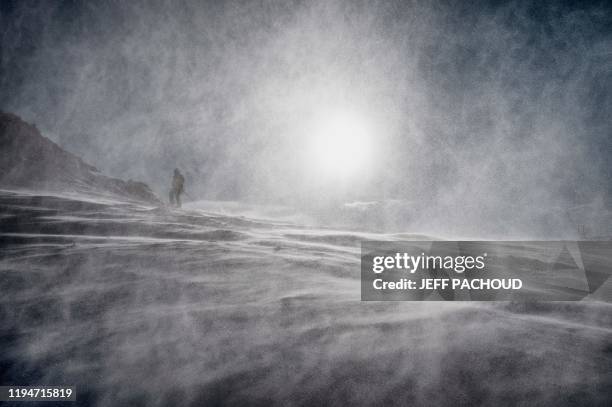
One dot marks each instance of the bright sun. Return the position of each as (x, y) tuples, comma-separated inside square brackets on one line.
[(341, 144)]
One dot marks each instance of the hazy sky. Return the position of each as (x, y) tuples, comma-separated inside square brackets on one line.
[(482, 105)]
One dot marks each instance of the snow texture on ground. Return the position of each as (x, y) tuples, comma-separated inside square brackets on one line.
[(137, 305)]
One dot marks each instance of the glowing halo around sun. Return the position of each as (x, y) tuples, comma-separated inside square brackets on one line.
[(341, 144)]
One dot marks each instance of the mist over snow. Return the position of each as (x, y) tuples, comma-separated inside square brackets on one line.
[(479, 117), (302, 130)]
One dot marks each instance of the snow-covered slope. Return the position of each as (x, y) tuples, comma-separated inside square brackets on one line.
[(140, 305), (30, 160)]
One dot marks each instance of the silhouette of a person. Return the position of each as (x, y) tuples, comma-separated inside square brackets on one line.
[(178, 182)]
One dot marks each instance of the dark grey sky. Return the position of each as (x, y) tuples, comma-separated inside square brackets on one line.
[(481, 104)]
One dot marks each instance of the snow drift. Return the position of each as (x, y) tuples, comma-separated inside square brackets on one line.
[(145, 306)]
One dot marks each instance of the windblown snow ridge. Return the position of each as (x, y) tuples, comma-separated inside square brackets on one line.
[(30, 160)]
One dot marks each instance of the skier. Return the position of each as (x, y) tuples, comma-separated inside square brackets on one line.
[(177, 188)]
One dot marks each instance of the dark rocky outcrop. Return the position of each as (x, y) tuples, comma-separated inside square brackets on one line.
[(30, 160)]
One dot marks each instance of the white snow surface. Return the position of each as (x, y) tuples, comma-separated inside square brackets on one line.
[(138, 305)]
